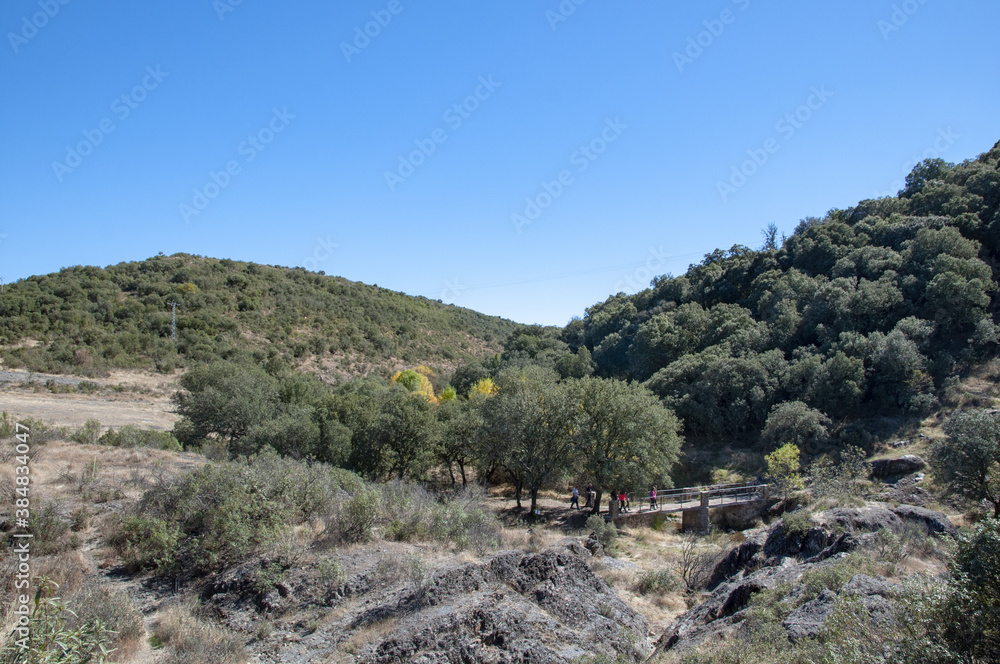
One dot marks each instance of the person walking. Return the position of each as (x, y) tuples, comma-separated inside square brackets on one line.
[(621, 501), (652, 499), (575, 500), (590, 496)]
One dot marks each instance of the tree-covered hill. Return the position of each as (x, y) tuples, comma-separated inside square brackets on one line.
[(872, 310), (88, 319)]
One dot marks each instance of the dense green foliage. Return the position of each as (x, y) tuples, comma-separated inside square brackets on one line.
[(872, 309), (88, 319), (969, 459), (525, 424)]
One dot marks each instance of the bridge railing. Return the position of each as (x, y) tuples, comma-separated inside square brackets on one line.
[(688, 497)]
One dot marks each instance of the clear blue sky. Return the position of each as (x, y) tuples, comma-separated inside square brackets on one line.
[(886, 80)]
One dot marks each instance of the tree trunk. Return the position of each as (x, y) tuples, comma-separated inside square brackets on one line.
[(996, 510), (451, 473), (534, 500), (461, 467), (596, 509), (517, 492)]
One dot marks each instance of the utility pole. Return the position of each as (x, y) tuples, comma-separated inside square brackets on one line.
[(173, 321)]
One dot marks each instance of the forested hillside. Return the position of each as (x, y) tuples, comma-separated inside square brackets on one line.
[(88, 319), (876, 309)]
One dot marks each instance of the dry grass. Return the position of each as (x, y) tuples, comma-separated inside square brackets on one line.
[(371, 633), (189, 640)]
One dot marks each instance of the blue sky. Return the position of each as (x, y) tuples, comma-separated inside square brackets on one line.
[(615, 132)]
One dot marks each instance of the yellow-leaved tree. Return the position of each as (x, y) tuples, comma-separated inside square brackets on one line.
[(415, 382), (485, 387)]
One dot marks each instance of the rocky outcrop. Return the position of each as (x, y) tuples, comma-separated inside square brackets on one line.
[(777, 557), (904, 465), (518, 607), (546, 607), (935, 522), (873, 594)]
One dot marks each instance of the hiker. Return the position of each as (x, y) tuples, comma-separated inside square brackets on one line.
[(652, 499), (575, 500), (621, 502)]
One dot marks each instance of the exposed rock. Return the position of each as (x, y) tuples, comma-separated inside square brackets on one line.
[(809, 619), (866, 519), (770, 558), (516, 607), (937, 523), (593, 544), (904, 465)]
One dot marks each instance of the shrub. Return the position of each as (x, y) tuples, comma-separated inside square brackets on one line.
[(796, 523), (605, 531), (222, 512), (88, 434), (698, 559), (132, 436), (358, 516), (147, 543), (51, 638), (48, 527), (656, 581)]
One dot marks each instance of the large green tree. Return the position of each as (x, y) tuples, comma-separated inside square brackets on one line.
[(968, 460), (623, 435), (527, 427)]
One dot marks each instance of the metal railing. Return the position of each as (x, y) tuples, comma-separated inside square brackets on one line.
[(718, 495)]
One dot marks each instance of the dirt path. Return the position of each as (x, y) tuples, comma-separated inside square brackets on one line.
[(72, 410)]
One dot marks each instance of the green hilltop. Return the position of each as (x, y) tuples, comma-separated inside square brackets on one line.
[(87, 320)]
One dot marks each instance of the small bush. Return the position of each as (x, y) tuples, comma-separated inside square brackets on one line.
[(358, 517), (796, 523), (391, 570), (48, 527), (88, 434), (330, 574), (132, 436), (656, 581), (52, 639), (605, 531), (219, 514), (146, 543)]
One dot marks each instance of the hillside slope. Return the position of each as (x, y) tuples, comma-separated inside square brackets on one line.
[(86, 320), (873, 310)]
